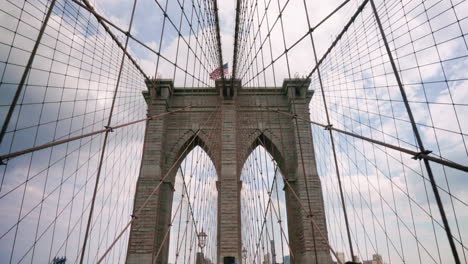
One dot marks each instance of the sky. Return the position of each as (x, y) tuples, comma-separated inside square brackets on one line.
[(45, 196)]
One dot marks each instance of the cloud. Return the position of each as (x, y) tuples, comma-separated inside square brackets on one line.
[(46, 195), (73, 81)]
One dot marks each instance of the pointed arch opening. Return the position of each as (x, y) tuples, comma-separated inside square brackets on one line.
[(269, 142), (265, 237), (193, 228), (187, 143)]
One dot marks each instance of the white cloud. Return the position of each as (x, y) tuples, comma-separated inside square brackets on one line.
[(360, 182)]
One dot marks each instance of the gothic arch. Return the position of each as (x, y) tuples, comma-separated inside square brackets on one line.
[(260, 139), (272, 143), (186, 143)]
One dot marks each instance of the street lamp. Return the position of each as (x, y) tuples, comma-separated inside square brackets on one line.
[(201, 243), (202, 239), (244, 255)]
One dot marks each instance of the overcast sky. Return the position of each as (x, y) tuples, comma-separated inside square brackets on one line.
[(383, 189)]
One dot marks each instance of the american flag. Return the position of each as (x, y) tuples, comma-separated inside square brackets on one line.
[(216, 74)]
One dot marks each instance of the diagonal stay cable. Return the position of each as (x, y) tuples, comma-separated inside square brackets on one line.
[(5, 157), (106, 136), (311, 29), (104, 21), (415, 154), (337, 39), (166, 235), (101, 21)]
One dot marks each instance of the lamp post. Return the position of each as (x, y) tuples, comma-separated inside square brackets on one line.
[(202, 243), (202, 239), (244, 255)]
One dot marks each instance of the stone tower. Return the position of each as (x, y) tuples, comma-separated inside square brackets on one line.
[(227, 122)]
